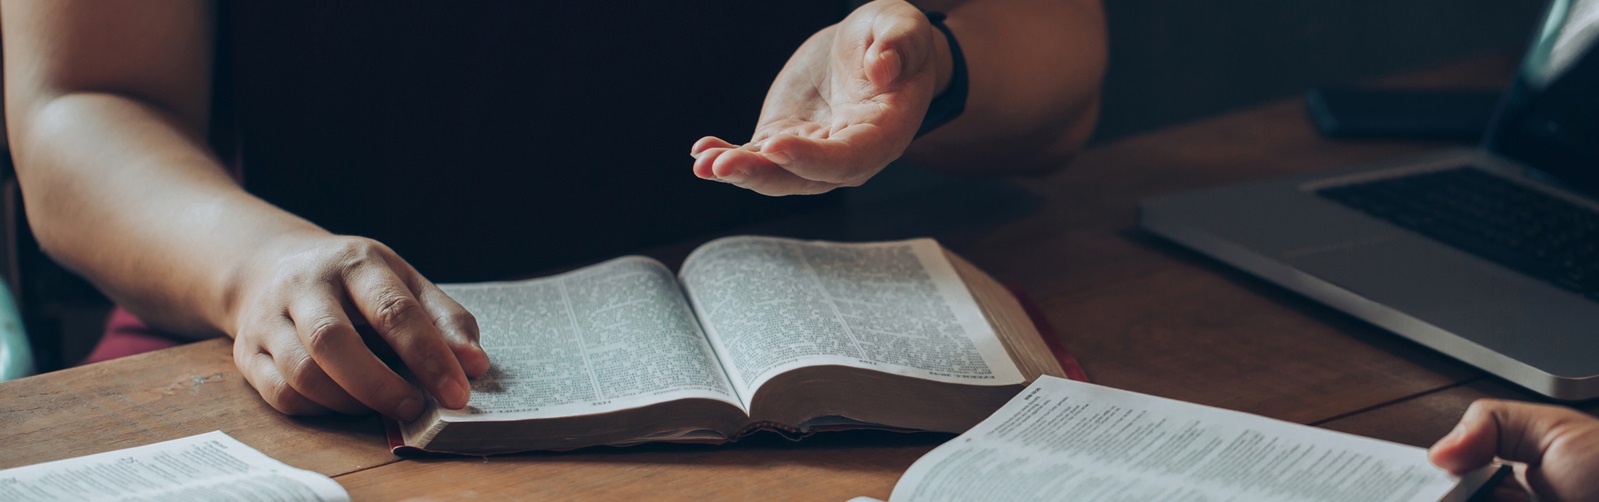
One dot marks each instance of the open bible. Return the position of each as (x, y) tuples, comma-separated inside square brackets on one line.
[(755, 333), (1065, 440)]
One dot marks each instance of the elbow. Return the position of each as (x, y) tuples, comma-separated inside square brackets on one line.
[(1065, 144), (38, 134)]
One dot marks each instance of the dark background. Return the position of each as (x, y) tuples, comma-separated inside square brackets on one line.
[(1176, 60), (1171, 61)]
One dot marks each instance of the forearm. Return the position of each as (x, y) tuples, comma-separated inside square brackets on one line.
[(129, 196), (1034, 70)]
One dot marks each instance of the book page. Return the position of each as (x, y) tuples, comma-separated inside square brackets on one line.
[(1067, 440), (612, 336), (771, 305), (210, 466)]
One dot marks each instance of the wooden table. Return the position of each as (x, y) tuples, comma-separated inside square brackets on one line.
[(1141, 314)]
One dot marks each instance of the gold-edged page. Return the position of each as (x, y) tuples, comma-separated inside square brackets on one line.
[(770, 305), (603, 338)]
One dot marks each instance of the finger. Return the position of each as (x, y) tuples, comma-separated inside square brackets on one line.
[(847, 158), (756, 173), (707, 143), (454, 323), (458, 327), (296, 367), (1518, 432), (900, 46), (734, 166), (707, 159), (336, 347), (389, 304), (258, 369)]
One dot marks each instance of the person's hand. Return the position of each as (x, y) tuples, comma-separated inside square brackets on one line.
[(299, 301), (1559, 446), (847, 103)]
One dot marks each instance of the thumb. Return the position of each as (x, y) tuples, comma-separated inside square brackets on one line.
[(900, 46), (1518, 432)]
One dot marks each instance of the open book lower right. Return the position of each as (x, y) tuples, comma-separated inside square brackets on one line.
[(1066, 440)]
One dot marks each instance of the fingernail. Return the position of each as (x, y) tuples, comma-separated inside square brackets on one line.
[(734, 177), (890, 58), (409, 409)]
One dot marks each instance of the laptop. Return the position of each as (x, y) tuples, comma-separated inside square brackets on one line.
[(1489, 254)]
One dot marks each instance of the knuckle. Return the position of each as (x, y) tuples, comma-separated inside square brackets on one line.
[(286, 400), (393, 310), (354, 252), (463, 321), (351, 248), (302, 373), (244, 347), (322, 335)]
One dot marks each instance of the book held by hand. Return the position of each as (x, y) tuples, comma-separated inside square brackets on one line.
[(755, 333), (1066, 440)]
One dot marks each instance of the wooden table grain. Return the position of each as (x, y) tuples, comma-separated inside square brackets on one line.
[(1140, 314)]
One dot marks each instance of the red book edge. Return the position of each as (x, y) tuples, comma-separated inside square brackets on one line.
[(1068, 362), (1057, 348)]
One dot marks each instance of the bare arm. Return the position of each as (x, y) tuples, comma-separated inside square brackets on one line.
[(851, 98), (108, 103), (1035, 68)]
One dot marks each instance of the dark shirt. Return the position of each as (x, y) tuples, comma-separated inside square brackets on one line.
[(496, 139)]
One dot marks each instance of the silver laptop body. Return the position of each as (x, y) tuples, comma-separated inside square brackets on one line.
[(1522, 328)]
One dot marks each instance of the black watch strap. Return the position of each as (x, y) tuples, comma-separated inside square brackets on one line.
[(948, 105)]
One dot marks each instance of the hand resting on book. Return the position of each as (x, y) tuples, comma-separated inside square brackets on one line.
[(300, 300), (1559, 446)]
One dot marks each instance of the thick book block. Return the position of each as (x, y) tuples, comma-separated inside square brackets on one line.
[(755, 333)]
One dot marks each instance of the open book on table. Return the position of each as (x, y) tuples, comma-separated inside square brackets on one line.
[(755, 333), (210, 467), (1065, 440)]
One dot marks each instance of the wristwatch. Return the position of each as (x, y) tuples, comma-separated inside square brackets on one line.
[(948, 105)]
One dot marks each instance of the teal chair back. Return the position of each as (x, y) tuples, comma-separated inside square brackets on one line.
[(16, 354)]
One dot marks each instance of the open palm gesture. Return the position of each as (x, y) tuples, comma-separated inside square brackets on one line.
[(847, 103)]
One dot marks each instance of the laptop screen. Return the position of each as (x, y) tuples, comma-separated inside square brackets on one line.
[(1549, 120)]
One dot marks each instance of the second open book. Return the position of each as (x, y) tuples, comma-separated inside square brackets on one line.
[(754, 333)]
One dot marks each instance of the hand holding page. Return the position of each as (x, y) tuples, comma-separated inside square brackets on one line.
[(1065, 440), (210, 466)]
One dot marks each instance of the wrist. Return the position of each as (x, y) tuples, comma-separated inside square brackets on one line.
[(943, 62), (242, 285), (951, 86)]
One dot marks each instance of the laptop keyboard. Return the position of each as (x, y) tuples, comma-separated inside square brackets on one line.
[(1515, 226)]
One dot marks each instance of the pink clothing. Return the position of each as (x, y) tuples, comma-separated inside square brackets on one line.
[(126, 335)]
